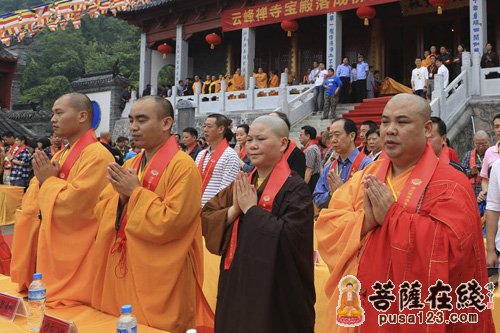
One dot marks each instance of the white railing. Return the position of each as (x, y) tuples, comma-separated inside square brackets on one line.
[(249, 100), (451, 101), (299, 106), (490, 81)]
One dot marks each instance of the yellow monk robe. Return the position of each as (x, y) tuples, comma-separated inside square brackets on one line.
[(261, 80), (274, 82), (332, 236), (230, 85), (60, 245), (238, 82), (164, 249)]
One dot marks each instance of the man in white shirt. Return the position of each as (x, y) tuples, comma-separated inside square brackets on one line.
[(444, 71), (314, 71), (219, 164), (419, 78), (319, 90)]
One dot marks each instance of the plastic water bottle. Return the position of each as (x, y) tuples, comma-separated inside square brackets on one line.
[(37, 294), (126, 322)]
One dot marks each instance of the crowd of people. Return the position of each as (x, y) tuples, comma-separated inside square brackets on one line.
[(135, 235), (445, 64)]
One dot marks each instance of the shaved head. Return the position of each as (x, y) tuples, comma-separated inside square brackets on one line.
[(412, 103), (162, 107), (481, 135), (79, 102), (275, 124)]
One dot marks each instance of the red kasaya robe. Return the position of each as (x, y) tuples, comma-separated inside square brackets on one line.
[(429, 234)]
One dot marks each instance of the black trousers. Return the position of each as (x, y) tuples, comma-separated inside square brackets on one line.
[(344, 91), (361, 90)]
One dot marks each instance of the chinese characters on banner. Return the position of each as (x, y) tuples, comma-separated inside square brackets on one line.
[(269, 13), (331, 41), (476, 26)]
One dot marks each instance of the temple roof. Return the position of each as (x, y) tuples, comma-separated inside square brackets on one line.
[(5, 55), (153, 4), (9, 125)]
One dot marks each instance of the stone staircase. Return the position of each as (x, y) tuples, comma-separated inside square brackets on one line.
[(316, 122)]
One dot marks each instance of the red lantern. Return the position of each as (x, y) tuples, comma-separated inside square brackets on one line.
[(366, 13), (439, 4), (289, 26), (213, 39), (165, 49)]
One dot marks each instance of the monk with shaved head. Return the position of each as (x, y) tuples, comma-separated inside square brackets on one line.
[(407, 228), (148, 250), (56, 226), (262, 227)]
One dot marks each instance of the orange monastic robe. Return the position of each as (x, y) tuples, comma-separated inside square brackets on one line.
[(442, 239), (261, 80), (238, 82), (60, 245), (274, 82), (164, 249)]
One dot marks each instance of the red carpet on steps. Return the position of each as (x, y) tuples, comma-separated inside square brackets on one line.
[(369, 109)]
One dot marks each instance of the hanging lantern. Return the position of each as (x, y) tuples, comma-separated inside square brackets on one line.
[(165, 49), (439, 4), (213, 39), (366, 13), (289, 26)]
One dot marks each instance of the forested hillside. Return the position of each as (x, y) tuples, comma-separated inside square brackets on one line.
[(57, 58)]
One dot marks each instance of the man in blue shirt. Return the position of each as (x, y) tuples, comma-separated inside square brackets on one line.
[(342, 168), (362, 69), (344, 72), (332, 87)]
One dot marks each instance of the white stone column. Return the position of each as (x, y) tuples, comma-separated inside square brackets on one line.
[(476, 74), (247, 53), (145, 65), (251, 93), (222, 96), (181, 55), (478, 25), (333, 39)]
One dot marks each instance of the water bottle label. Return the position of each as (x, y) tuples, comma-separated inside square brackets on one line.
[(127, 330), (37, 295)]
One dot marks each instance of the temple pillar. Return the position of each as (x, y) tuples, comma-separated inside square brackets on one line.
[(181, 55), (478, 25), (247, 53), (333, 39)]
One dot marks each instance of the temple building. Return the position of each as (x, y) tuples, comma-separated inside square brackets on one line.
[(251, 35)]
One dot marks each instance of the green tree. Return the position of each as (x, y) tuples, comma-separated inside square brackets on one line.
[(48, 92)]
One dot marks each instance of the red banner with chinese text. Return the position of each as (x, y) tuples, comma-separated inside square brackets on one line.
[(276, 12)]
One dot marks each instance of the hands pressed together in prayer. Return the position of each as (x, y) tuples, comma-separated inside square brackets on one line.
[(124, 181), (43, 168), (334, 181), (377, 201), (244, 196)]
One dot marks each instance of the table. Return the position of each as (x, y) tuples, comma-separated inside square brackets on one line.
[(87, 320), (321, 275), (10, 201)]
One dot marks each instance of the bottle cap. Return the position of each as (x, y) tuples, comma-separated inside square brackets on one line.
[(37, 276), (191, 330), (127, 309)]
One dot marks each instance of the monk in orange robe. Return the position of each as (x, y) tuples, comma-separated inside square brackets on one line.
[(238, 81), (55, 228), (5, 256), (407, 217), (148, 250), (274, 80), (260, 78)]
